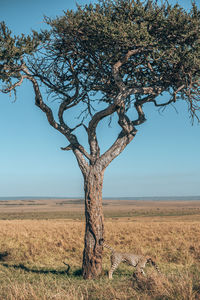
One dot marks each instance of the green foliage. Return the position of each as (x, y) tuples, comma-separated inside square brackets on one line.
[(14, 49), (106, 32), (94, 37), (82, 47)]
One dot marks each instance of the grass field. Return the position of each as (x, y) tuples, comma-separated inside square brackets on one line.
[(37, 236)]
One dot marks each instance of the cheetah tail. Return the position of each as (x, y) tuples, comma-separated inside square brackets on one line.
[(149, 260), (68, 267), (105, 245)]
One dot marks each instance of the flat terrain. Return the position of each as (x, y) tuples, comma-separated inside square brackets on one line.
[(74, 209), (37, 236)]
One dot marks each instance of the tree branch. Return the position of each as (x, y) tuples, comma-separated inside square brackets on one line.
[(13, 86), (154, 91), (69, 147), (68, 103), (117, 103), (91, 130), (44, 107), (118, 80), (118, 146), (81, 162), (126, 135), (173, 99), (63, 128), (141, 116)]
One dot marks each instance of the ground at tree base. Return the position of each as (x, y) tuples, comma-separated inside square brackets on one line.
[(33, 266)]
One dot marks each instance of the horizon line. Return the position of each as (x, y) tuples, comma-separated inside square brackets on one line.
[(103, 198)]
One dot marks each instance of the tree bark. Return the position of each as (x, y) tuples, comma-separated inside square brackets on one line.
[(94, 231)]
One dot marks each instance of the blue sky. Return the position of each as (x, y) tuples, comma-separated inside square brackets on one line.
[(163, 159)]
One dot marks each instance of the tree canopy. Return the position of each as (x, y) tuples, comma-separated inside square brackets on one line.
[(99, 50)]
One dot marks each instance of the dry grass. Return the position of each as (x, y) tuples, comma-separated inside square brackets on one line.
[(32, 254)]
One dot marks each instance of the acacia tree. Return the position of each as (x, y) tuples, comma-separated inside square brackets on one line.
[(106, 59)]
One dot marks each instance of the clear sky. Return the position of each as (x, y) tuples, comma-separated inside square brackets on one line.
[(163, 159)]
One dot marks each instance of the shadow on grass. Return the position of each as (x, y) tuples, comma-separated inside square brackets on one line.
[(3, 255), (76, 273)]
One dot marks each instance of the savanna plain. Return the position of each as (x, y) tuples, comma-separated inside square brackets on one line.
[(38, 235)]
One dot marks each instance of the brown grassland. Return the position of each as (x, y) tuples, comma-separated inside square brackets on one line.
[(37, 236)]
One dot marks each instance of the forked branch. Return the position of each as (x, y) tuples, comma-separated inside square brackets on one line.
[(118, 80), (126, 135), (13, 86)]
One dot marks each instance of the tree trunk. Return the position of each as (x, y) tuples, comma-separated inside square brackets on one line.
[(94, 230)]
